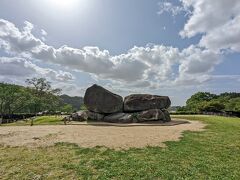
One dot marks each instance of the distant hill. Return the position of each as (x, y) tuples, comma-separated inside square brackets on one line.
[(75, 101)]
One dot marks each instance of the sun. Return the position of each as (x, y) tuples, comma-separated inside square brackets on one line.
[(64, 4), (60, 9)]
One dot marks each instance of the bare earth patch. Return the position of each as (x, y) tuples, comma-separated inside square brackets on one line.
[(117, 136)]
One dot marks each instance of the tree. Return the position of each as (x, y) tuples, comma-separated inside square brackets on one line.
[(43, 93), (13, 98), (23, 100), (205, 101), (2, 100), (213, 106), (233, 104), (201, 96), (44, 96), (196, 101), (11, 95), (67, 108)]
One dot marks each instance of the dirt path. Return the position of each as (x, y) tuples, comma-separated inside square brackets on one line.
[(98, 134)]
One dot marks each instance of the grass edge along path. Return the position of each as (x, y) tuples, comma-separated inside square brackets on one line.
[(39, 120)]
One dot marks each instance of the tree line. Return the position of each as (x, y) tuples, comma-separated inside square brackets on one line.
[(208, 102), (38, 96)]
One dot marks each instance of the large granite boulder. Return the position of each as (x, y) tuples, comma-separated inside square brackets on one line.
[(86, 115), (150, 115), (141, 102), (79, 116), (120, 118), (166, 115), (97, 99), (94, 116)]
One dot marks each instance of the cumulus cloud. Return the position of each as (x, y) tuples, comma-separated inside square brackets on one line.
[(159, 58), (16, 41), (198, 61), (21, 68), (16, 67), (150, 66), (226, 37), (217, 21), (196, 65)]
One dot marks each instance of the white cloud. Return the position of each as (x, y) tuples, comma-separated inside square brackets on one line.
[(218, 21), (43, 32), (64, 76), (151, 66), (15, 67), (159, 58), (27, 29), (16, 41), (188, 79), (198, 61), (226, 37), (21, 68), (170, 8)]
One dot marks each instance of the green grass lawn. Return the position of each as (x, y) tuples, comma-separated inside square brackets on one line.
[(211, 154), (48, 120), (41, 120)]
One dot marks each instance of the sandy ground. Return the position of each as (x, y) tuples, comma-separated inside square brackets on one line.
[(115, 136)]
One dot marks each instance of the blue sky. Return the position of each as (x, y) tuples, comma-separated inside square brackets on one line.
[(173, 48)]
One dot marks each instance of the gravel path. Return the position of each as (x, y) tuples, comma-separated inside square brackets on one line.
[(115, 136)]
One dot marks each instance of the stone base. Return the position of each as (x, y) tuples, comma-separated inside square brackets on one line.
[(137, 117), (120, 118)]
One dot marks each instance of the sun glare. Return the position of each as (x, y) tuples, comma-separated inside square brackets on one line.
[(64, 4)]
